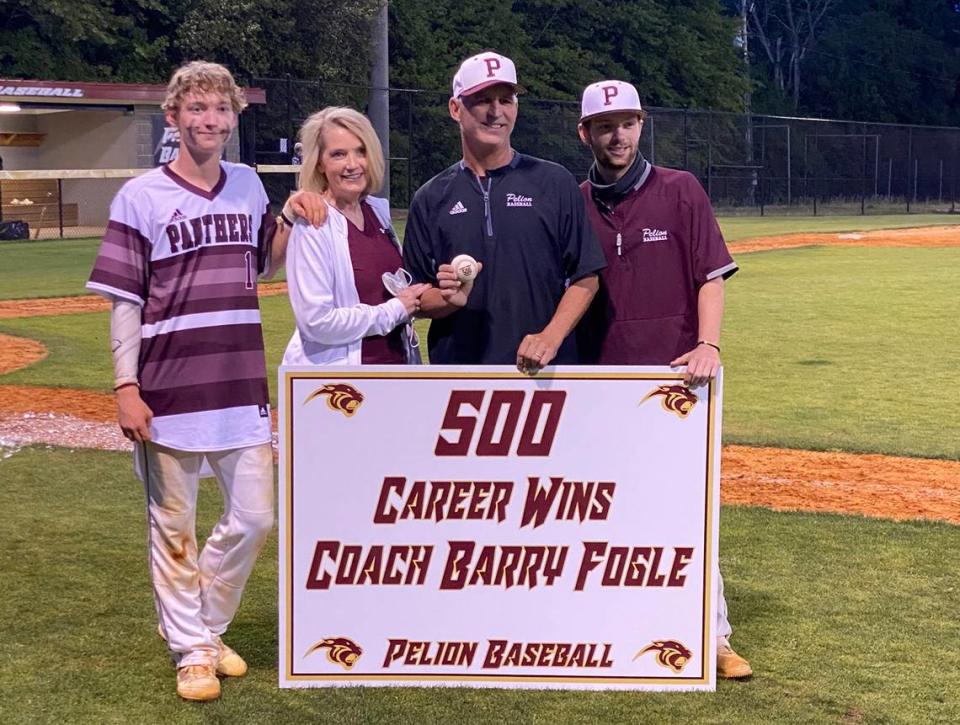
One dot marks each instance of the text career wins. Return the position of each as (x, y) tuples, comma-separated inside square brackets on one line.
[(469, 564)]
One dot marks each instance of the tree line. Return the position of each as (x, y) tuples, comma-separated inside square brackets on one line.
[(876, 60), (879, 60)]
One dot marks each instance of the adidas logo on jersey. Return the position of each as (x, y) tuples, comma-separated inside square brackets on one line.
[(178, 216), (458, 208), (654, 235)]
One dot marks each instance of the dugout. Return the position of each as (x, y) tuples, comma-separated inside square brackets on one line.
[(59, 126)]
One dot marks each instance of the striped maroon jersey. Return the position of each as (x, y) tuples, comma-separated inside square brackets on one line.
[(190, 258)]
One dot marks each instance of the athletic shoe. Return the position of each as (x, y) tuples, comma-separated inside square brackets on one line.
[(730, 665), (229, 663), (198, 682)]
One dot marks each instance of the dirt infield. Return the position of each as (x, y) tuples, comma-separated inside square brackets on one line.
[(883, 486), (19, 352), (84, 404), (10, 309), (922, 237), (872, 485), (891, 487)]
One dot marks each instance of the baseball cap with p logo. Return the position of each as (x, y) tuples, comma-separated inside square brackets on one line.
[(483, 70), (609, 97)]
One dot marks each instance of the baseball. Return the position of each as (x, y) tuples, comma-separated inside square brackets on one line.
[(465, 266)]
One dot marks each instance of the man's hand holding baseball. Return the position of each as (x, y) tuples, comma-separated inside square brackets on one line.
[(703, 364), (133, 415), (453, 289)]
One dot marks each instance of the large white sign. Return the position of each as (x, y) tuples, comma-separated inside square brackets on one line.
[(455, 526)]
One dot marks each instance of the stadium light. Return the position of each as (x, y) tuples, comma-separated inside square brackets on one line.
[(9, 108)]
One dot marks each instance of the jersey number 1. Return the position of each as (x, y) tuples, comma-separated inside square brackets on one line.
[(248, 258)]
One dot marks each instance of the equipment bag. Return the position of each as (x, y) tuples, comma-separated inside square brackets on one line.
[(14, 230)]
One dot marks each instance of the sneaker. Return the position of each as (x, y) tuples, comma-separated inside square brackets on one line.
[(198, 682), (229, 663), (730, 665)]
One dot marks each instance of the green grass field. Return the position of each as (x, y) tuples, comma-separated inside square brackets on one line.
[(844, 348), (825, 348), (59, 268), (49, 268), (845, 619), (78, 344)]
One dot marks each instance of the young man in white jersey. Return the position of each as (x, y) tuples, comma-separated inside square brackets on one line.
[(180, 260)]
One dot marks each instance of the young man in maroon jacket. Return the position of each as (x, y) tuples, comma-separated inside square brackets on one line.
[(661, 295)]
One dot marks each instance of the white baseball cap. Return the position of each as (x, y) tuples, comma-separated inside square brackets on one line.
[(609, 97), (482, 70)]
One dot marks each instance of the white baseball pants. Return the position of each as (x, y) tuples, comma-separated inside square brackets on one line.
[(723, 624), (197, 596)]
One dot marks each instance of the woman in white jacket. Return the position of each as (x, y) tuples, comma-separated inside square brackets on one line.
[(344, 313)]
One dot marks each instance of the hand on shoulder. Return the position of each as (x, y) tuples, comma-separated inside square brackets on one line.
[(306, 205)]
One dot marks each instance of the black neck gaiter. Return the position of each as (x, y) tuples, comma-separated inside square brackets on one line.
[(612, 193)]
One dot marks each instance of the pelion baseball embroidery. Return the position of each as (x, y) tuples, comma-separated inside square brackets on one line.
[(519, 200)]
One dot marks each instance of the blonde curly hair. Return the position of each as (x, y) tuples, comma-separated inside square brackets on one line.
[(203, 77)]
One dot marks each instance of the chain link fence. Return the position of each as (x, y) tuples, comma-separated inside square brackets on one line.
[(58, 204), (748, 164)]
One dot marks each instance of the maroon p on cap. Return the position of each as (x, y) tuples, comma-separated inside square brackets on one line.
[(482, 70)]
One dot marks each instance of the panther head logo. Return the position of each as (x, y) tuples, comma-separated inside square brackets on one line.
[(343, 397), (677, 399), (670, 653), (341, 651)]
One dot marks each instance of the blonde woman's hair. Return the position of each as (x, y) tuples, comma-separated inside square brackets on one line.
[(203, 77), (311, 136)]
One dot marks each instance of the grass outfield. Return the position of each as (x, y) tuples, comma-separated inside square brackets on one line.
[(844, 348), (844, 620), (49, 268), (59, 268), (79, 347), (825, 348)]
